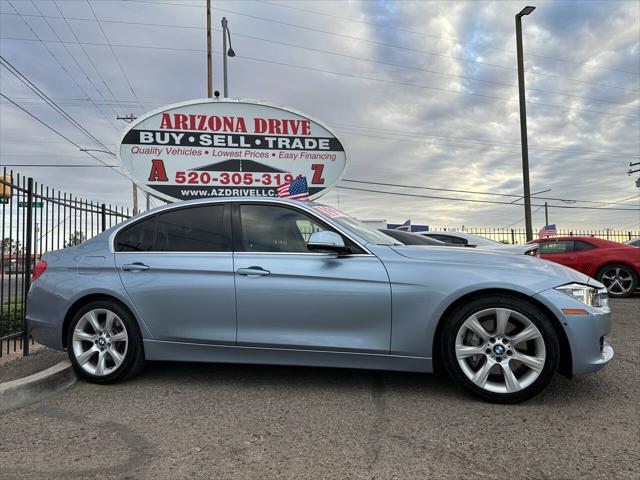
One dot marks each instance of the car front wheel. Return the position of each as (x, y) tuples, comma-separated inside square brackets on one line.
[(502, 349), (620, 280), (104, 343)]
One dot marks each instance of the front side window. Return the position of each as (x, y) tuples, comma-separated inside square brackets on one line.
[(270, 228), (561, 246), (193, 229)]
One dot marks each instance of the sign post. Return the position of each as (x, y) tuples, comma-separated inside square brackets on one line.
[(229, 148)]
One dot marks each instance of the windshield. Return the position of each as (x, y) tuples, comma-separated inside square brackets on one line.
[(370, 234)]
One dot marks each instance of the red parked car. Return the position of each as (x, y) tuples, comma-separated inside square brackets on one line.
[(616, 265)]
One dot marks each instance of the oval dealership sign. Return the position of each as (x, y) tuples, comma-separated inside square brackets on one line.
[(229, 148)]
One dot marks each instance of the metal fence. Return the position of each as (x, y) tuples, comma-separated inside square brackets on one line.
[(519, 236), (36, 219)]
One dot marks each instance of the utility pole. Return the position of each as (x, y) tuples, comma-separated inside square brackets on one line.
[(523, 123), (546, 213), (130, 118), (209, 62)]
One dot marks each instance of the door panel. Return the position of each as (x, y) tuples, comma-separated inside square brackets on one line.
[(183, 296), (177, 268), (314, 301)]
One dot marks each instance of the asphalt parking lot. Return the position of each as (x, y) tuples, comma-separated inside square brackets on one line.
[(228, 421)]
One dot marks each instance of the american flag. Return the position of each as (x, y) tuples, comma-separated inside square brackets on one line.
[(406, 226), (329, 211), (296, 189), (548, 231)]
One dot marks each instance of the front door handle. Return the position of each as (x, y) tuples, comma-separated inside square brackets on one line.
[(253, 272), (135, 267)]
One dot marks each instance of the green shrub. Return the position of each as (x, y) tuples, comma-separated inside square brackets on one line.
[(11, 317)]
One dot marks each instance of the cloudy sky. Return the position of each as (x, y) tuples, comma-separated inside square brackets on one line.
[(421, 93)]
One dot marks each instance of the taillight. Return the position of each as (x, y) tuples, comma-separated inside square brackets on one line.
[(39, 269)]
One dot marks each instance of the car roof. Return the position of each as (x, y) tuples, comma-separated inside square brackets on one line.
[(454, 233)]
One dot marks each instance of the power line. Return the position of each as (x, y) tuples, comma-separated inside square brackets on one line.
[(58, 133), (318, 50), (442, 139), (362, 77), (34, 88), (414, 32), (373, 42), (62, 165), (444, 90), (476, 192), (484, 142), (84, 50), (455, 199), (124, 73), (51, 53)]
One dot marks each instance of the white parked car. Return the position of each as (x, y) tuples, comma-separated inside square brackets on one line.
[(468, 240), (634, 241)]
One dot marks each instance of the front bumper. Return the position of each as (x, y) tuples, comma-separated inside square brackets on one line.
[(585, 333)]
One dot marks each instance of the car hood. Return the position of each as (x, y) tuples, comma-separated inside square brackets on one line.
[(495, 260)]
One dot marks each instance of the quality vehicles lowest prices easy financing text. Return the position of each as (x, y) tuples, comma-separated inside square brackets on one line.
[(272, 281)]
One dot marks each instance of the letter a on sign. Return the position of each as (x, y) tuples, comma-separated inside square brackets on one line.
[(158, 172)]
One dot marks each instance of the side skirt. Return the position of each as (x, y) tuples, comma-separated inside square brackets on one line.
[(196, 352)]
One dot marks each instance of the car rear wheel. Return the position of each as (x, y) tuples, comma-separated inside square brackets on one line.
[(620, 280), (500, 348), (104, 343)]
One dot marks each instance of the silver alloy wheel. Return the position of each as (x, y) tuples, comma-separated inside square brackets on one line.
[(100, 342), (500, 350), (617, 280)]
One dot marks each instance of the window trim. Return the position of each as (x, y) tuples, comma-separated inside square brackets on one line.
[(226, 225), (228, 202), (236, 221)]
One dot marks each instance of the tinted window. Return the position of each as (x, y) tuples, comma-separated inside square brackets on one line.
[(411, 238), (267, 228), (579, 245), (138, 237), (562, 246), (195, 229), (448, 239)]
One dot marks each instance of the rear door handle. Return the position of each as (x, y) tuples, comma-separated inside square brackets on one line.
[(135, 267), (253, 271)]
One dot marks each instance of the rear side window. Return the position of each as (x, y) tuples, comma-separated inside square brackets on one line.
[(562, 246), (579, 245), (449, 239), (138, 237), (194, 229)]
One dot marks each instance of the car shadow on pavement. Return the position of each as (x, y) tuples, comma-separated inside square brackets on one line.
[(436, 386)]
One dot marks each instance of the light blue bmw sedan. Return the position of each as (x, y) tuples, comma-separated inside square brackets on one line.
[(260, 280)]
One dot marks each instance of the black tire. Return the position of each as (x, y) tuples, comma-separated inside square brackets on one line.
[(624, 268), (133, 361), (538, 318)]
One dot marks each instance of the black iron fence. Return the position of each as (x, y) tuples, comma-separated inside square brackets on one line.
[(519, 235), (37, 219)]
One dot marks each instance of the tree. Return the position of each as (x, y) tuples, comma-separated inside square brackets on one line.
[(76, 238), (10, 246)]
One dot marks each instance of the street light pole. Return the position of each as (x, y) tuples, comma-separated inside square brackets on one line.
[(523, 123), (226, 34), (209, 61)]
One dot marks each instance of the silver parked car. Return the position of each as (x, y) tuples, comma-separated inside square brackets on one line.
[(464, 239), (282, 282)]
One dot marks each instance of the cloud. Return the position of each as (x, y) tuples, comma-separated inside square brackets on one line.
[(449, 119)]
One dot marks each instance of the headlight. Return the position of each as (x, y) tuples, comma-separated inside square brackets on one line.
[(594, 297)]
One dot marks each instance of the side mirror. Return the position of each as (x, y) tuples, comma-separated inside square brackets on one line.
[(326, 242)]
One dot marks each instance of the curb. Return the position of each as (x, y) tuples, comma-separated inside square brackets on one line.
[(33, 388)]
